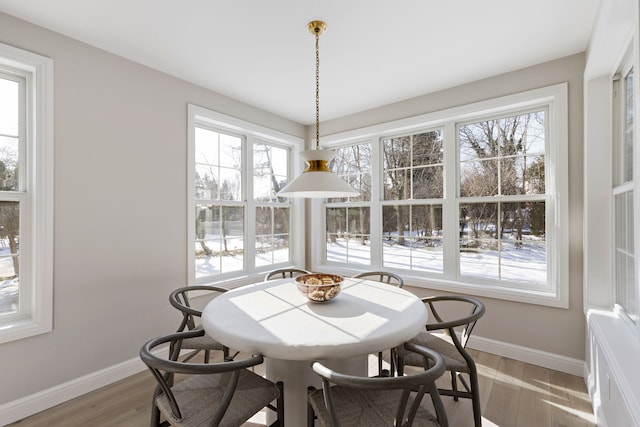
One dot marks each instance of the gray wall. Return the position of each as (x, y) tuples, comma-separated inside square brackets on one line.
[(120, 208), (553, 330)]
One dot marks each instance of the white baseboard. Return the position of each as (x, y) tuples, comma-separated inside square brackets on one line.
[(45, 399), (529, 355), (21, 408)]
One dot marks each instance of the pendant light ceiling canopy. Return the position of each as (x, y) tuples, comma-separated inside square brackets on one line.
[(318, 180)]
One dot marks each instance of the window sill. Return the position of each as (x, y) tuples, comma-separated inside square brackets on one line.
[(22, 328), (528, 296), (557, 299)]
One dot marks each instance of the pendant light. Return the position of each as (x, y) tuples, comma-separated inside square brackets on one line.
[(318, 180)]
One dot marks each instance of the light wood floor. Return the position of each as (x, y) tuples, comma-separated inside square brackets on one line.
[(513, 394)]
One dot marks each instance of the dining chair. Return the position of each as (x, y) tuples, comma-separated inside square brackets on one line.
[(283, 273), (180, 299), (382, 276), (354, 401), (213, 394), (450, 345), (390, 279)]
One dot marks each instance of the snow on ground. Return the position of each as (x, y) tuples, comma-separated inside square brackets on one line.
[(526, 264)]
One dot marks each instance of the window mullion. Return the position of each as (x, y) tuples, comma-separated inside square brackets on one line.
[(376, 197), (249, 243), (26, 116), (450, 203)]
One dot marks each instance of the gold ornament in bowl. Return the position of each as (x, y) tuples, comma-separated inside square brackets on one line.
[(319, 287)]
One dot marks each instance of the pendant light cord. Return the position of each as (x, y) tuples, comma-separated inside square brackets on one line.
[(317, 89)]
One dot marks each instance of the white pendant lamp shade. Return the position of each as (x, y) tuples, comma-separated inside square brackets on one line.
[(318, 180)]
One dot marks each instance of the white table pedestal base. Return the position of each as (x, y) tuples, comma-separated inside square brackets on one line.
[(298, 375)]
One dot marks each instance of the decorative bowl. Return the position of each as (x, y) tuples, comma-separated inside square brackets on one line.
[(319, 287)]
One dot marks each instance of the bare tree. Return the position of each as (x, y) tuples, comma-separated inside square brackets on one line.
[(206, 185), (494, 161), (397, 160), (413, 170), (336, 222), (201, 232), (10, 211), (10, 229), (262, 159)]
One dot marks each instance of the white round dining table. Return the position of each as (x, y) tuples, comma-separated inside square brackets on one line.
[(274, 319)]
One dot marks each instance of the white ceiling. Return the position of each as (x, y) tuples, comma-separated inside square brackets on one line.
[(373, 53)]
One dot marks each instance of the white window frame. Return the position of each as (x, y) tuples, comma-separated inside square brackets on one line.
[(619, 185), (554, 98), (250, 132), (35, 314)]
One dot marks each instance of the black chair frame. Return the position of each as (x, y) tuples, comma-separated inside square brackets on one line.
[(285, 273), (418, 384), (164, 371), (467, 323), (388, 278), (179, 298)]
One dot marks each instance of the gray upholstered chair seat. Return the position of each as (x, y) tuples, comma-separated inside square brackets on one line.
[(199, 396), (365, 408), (442, 344), (347, 400), (221, 394), (201, 343)]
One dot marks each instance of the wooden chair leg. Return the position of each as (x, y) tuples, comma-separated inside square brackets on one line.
[(475, 396), (464, 382), (400, 365), (155, 414), (279, 408), (311, 415), (392, 362), (280, 386), (454, 385)]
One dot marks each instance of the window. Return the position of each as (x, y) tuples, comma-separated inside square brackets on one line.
[(471, 199), (412, 187), (26, 190), (240, 226), (348, 228), (501, 209), (626, 297), (273, 214)]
